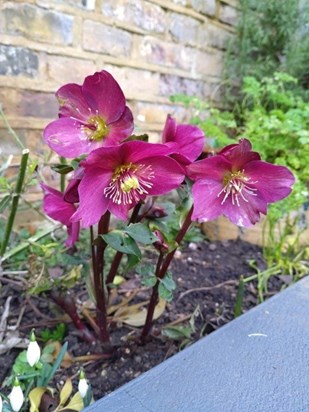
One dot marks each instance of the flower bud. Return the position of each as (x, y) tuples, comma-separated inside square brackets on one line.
[(16, 396), (82, 384), (0, 403), (156, 212), (160, 244), (33, 351)]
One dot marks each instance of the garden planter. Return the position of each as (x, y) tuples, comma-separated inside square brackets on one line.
[(257, 363)]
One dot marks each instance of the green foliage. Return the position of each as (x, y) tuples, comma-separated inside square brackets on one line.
[(56, 334), (276, 121), (166, 287), (271, 36)]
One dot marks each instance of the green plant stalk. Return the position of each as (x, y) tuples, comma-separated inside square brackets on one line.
[(98, 278), (25, 244), (8, 126), (62, 177), (160, 273), (239, 297), (16, 196)]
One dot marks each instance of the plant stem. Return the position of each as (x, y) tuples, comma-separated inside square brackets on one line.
[(16, 196), (153, 301), (67, 303), (98, 276), (62, 177), (118, 256), (18, 141), (161, 269)]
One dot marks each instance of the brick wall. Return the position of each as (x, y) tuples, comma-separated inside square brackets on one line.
[(153, 48)]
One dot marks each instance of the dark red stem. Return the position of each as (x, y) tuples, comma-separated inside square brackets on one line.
[(161, 270), (67, 303), (153, 301), (98, 278)]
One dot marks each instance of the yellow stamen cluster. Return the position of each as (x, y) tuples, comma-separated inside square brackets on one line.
[(99, 131)]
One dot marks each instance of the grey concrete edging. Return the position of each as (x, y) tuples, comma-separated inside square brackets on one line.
[(257, 363)]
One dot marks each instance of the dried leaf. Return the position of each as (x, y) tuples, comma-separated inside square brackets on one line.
[(66, 391), (35, 397), (135, 315), (75, 404)]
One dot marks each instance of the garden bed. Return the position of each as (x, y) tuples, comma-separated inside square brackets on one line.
[(207, 277)]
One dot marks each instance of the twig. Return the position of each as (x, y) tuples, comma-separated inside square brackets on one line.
[(4, 317), (87, 315), (207, 288), (36, 310)]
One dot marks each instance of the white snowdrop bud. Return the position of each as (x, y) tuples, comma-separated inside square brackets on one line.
[(33, 350), (16, 396), (0, 403), (82, 384)]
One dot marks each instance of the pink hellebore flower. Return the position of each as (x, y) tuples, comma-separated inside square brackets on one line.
[(58, 209), (189, 140), (92, 115), (118, 177), (237, 184)]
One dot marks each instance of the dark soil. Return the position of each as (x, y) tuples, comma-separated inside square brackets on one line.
[(216, 267)]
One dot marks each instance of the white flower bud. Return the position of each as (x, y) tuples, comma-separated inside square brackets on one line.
[(33, 351), (82, 384), (16, 396), (0, 403)]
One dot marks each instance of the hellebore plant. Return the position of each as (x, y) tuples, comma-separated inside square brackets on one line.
[(119, 177)]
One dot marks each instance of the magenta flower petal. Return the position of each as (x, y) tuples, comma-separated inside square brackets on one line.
[(91, 116), (189, 139), (248, 213), (66, 137), (73, 234), (137, 150), (72, 102), (273, 182), (71, 192), (167, 172), (212, 168), (207, 205), (239, 154), (120, 129), (119, 177), (58, 209), (104, 95), (237, 185), (93, 204)]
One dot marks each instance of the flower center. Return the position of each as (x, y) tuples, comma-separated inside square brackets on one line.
[(236, 186), (96, 128), (129, 184)]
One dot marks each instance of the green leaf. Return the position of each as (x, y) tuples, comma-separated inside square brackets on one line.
[(177, 332), (62, 169), (122, 242), (168, 282), (141, 233), (5, 202), (149, 281), (165, 293), (131, 262), (55, 366)]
